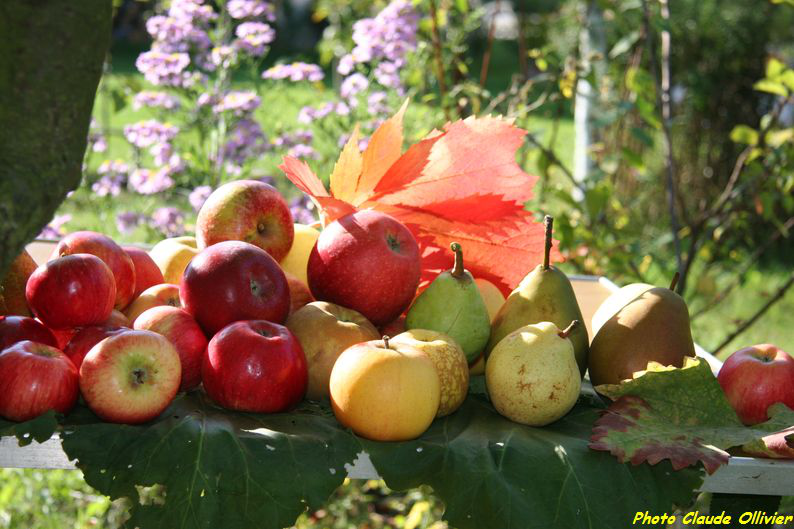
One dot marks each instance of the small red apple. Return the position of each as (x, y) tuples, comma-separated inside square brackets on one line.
[(117, 319), (255, 366), (232, 281), (147, 274), (15, 329), (111, 253), (85, 339), (184, 333), (130, 377), (63, 336), (35, 378), (250, 211), (366, 261), (756, 377), (71, 291), (299, 293)]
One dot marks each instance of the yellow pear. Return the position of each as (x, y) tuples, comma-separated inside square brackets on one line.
[(532, 376), (296, 261), (173, 255), (450, 362), (491, 295)]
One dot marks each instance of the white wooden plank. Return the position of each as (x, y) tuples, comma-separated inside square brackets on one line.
[(748, 475), (48, 454)]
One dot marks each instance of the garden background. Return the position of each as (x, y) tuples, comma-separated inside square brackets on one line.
[(661, 134)]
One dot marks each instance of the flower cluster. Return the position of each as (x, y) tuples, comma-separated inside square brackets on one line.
[(307, 114), (241, 9), (245, 141), (240, 103), (152, 99), (253, 37), (113, 178), (303, 210), (147, 133), (54, 230), (297, 71)]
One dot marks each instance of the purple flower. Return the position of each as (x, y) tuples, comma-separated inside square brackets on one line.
[(151, 99), (206, 99), (223, 57), (388, 74), (352, 85), (162, 68), (302, 209), (98, 142), (240, 103), (346, 64), (127, 221), (297, 71), (250, 9), (253, 37), (192, 11), (198, 196), (377, 103), (169, 220), (147, 133), (303, 151), (148, 182), (54, 230), (245, 141), (114, 178)]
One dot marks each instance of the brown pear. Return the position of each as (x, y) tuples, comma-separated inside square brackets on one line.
[(12, 288), (653, 326)]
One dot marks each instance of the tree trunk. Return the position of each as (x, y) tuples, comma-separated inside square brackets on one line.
[(50, 64)]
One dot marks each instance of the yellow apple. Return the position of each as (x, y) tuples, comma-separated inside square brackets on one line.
[(450, 362), (384, 391), (324, 331), (297, 259), (162, 294), (173, 255), (491, 295)]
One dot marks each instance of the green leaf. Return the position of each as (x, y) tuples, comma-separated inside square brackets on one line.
[(772, 87), (39, 429), (680, 414), (776, 138), (744, 134), (624, 44), (774, 68), (218, 468), (491, 472)]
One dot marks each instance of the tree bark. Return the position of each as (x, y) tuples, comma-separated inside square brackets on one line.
[(50, 64)]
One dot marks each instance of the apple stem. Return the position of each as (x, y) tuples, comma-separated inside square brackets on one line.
[(548, 222), (457, 269), (386, 341), (567, 331), (674, 282)]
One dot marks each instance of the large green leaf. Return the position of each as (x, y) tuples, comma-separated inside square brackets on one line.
[(218, 468), (680, 414), (494, 473), (39, 429)]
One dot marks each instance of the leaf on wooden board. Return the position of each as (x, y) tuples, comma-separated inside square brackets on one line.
[(779, 445), (680, 414), (460, 184), (218, 468), (39, 429), (491, 472)]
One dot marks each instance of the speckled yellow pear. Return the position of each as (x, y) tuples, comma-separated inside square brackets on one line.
[(532, 375), (450, 362)]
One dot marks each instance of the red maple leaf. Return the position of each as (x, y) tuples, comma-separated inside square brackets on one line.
[(460, 184)]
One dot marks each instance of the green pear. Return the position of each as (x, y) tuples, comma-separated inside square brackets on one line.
[(545, 294), (616, 301), (532, 376), (652, 326), (452, 304)]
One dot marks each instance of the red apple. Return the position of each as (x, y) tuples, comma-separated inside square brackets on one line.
[(255, 366), (71, 291), (184, 333), (756, 377), (299, 293), (63, 336), (117, 319), (35, 378), (15, 329), (250, 211), (162, 294), (366, 261), (232, 281), (147, 274), (130, 377), (111, 253), (85, 339)]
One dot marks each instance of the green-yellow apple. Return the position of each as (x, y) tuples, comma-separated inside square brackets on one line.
[(325, 330), (532, 375), (173, 255), (119, 262), (249, 211), (12, 288), (450, 362), (162, 294), (385, 392), (297, 259), (130, 377)]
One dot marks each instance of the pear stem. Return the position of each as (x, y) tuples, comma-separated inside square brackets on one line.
[(457, 269), (567, 331), (386, 341), (674, 282), (548, 221)]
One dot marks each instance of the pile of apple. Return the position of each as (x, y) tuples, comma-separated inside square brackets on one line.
[(261, 313)]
